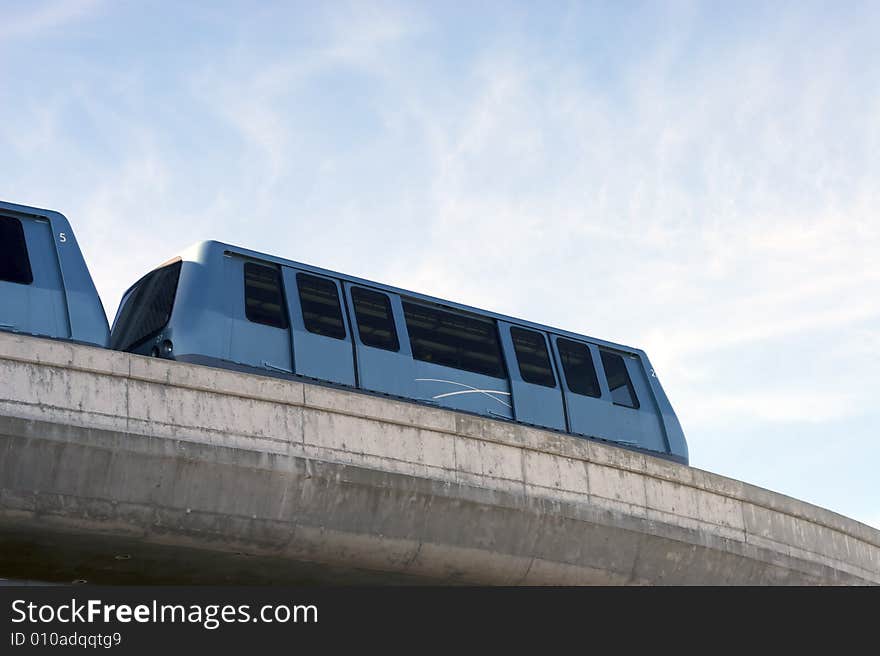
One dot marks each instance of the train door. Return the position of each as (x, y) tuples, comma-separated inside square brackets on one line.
[(384, 356), (32, 296), (586, 399), (259, 325), (322, 346), (537, 398)]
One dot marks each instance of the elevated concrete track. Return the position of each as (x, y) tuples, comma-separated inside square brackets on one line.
[(122, 469)]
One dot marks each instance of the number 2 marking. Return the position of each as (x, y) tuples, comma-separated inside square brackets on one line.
[(653, 375)]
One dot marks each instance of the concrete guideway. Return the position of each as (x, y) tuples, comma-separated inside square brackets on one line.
[(117, 468)]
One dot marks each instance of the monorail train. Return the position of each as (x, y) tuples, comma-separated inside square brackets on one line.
[(45, 286), (225, 306)]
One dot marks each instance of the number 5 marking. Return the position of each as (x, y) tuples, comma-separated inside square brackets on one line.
[(62, 237)]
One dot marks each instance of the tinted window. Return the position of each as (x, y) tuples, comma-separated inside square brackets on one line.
[(146, 308), (374, 319), (15, 266), (453, 340), (577, 363), (532, 357), (263, 295), (319, 300), (622, 392)]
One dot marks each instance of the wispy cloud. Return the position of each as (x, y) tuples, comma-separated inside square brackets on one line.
[(38, 18)]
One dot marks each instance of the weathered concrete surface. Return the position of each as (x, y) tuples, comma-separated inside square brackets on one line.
[(119, 468)]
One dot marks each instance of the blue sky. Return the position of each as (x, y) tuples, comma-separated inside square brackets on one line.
[(701, 180)]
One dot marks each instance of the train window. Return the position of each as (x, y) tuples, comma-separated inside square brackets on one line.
[(146, 309), (532, 357), (453, 340), (319, 300), (15, 265), (375, 320), (622, 392), (577, 363), (263, 295)]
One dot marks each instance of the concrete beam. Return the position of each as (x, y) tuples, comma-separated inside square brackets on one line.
[(119, 468)]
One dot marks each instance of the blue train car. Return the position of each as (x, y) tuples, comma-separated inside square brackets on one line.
[(225, 306), (45, 286)]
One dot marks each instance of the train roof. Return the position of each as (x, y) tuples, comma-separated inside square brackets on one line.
[(59, 221), (214, 247)]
